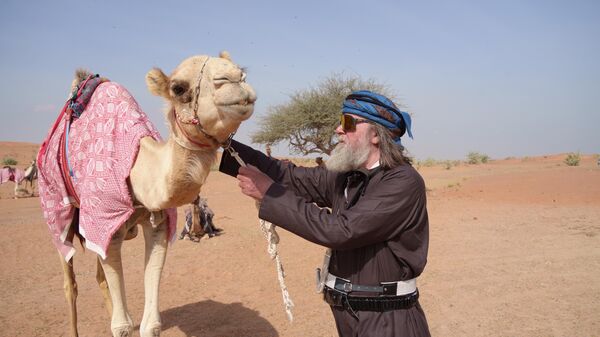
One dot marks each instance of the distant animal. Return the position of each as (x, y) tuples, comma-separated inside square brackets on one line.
[(31, 174), (114, 171), (199, 221), (13, 174)]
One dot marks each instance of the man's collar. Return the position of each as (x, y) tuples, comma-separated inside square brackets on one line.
[(376, 165)]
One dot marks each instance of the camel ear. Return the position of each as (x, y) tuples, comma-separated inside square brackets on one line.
[(157, 82), (225, 55)]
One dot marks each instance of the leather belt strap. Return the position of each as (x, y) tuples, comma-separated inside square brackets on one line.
[(398, 288), (353, 304)]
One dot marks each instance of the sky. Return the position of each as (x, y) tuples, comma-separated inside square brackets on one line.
[(503, 78)]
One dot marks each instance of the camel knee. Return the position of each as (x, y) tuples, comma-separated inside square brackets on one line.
[(70, 288)]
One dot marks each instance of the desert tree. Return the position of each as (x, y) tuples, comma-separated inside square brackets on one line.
[(308, 120)]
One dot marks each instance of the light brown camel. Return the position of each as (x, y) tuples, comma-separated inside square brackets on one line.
[(31, 175), (207, 100)]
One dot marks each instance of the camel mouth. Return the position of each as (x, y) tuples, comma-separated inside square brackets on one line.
[(242, 108)]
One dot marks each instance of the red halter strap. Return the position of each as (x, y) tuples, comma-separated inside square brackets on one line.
[(185, 134)]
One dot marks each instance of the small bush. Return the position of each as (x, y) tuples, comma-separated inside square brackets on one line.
[(477, 158), (8, 161), (429, 162), (573, 159)]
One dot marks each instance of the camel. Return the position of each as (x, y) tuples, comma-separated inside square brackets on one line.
[(31, 175), (207, 100), (14, 174), (199, 221)]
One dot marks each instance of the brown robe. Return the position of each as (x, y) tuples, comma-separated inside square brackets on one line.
[(378, 233)]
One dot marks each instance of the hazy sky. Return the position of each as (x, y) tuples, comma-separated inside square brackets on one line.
[(505, 78)]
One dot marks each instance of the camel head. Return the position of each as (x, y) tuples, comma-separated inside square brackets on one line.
[(207, 98)]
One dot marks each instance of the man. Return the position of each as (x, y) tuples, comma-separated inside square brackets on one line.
[(199, 221), (371, 212)]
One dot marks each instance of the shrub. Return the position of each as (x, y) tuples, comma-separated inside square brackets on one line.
[(429, 162), (477, 158), (8, 161), (573, 159)]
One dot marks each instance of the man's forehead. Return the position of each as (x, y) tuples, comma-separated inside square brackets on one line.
[(356, 117)]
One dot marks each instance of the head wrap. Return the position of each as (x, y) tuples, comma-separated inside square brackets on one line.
[(378, 109)]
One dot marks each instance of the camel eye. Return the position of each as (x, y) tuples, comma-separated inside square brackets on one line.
[(218, 82), (179, 88)]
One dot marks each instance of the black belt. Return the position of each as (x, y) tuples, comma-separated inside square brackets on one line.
[(341, 299)]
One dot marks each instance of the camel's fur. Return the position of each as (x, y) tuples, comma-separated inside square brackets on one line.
[(168, 174)]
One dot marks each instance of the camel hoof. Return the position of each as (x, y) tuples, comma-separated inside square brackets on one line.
[(153, 331), (122, 331)]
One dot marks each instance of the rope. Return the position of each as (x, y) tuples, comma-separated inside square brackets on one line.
[(268, 230), (272, 237)]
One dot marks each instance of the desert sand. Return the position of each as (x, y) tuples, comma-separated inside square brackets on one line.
[(514, 251)]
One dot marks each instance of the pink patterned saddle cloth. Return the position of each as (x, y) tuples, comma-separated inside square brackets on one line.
[(103, 145)]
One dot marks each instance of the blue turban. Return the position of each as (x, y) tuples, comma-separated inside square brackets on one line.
[(379, 109)]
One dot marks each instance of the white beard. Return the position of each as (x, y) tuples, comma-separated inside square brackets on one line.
[(344, 158)]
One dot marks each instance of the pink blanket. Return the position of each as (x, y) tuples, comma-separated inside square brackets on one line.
[(103, 145), (11, 174)]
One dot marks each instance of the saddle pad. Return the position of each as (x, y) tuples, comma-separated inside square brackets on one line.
[(103, 145)]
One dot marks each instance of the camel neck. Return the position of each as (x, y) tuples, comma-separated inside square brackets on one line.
[(166, 174)]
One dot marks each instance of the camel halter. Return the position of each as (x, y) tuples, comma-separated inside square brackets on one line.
[(196, 122)]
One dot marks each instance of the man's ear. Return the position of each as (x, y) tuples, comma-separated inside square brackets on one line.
[(374, 137), (158, 83)]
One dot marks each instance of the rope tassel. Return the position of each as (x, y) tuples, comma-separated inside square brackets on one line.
[(272, 237), (268, 230)]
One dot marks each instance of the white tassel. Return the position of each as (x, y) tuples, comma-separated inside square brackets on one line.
[(272, 237), (268, 230)]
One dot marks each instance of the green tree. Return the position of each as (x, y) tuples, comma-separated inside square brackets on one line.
[(308, 121)]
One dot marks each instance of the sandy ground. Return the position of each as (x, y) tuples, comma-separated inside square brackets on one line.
[(514, 251)]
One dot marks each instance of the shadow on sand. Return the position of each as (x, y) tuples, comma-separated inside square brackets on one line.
[(214, 319)]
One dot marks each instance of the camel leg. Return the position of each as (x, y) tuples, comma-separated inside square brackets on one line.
[(70, 287), (121, 324), (155, 238), (101, 279)]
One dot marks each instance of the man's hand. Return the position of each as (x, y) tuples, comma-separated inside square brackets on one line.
[(253, 182)]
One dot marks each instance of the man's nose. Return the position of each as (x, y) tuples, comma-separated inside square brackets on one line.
[(339, 130)]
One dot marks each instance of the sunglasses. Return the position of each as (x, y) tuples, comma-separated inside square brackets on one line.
[(348, 122)]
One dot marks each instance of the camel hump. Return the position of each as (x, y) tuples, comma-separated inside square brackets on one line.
[(80, 75)]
